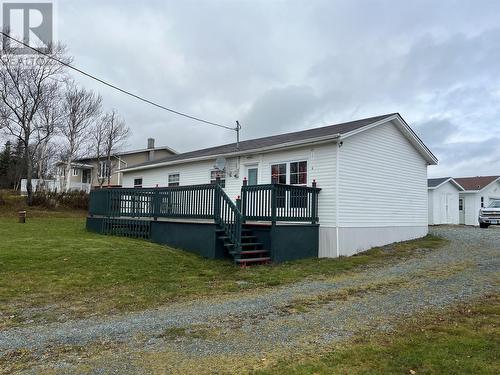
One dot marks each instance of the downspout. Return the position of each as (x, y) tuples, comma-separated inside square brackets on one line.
[(337, 200)]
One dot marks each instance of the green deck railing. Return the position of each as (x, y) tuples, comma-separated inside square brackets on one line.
[(273, 202), (277, 202), (190, 202), (186, 202)]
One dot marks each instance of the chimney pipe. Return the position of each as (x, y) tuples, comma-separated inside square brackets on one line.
[(151, 146), (151, 143)]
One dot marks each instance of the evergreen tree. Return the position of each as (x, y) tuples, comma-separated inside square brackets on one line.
[(6, 165)]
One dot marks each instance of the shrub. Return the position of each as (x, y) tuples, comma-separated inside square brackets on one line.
[(72, 199)]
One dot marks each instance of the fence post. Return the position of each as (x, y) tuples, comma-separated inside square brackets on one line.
[(273, 203), (314, 203)]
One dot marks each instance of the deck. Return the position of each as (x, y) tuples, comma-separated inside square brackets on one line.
[(265, 223)]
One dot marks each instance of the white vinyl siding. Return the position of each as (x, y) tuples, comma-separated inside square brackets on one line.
[(382, 180), (443, 205), (320, 167), (472, 201)]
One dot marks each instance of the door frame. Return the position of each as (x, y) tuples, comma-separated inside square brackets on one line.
[(252, 166), (461, 212)]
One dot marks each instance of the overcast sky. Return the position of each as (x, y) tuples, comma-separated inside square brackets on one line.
[(279, 66)]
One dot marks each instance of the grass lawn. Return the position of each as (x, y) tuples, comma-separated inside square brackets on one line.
[(52, 267), (463, 340)]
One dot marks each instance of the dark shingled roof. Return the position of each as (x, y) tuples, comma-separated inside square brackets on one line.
[(475, 183), (274, 140), (433, 182)]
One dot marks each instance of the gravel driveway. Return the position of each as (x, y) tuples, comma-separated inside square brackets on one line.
[(306, 314)]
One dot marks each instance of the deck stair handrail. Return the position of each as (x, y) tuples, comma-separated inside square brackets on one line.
[(279, 202), (229, 218)]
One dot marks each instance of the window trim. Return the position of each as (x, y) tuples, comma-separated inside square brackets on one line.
[(74, 171), (138, 185), (288, 169), (107, 170), (222, 179), (298, 173), (178, 183), (280, 174)]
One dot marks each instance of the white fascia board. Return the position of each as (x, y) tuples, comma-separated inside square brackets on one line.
[(407, 131), (262, 150), (139, 151), (457, 185)]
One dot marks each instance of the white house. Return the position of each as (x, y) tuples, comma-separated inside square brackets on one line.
[(443, 200), (372, 172), (477, 192)]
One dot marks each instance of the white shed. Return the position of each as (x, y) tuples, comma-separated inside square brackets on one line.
[(372, 174), (443, 200), (477, 192)]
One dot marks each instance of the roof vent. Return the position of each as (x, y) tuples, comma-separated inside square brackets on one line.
[(151, 143)]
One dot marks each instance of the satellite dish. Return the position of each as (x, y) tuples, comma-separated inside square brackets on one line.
[(220, 163)]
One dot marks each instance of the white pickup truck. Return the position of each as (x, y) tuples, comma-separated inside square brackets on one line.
[(490, 215)]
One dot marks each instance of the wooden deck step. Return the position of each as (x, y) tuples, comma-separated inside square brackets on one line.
[(242, 237), (250, 252), (245, 244)]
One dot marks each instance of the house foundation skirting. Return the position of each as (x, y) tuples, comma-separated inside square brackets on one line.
[(353, 240)]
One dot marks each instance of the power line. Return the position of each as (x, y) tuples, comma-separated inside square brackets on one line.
[(116, 87)]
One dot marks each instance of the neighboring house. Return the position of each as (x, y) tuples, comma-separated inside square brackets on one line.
[(93, 172), (478, 192), (443, 200), (372, 174)]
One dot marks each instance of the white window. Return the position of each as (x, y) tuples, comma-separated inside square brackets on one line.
[(298, 173), (278, 173), (173, 179), (75, 171), (293, 173), (217, 173), (138, 182), (104, 170)]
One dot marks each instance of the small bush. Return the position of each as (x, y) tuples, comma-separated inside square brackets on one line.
[(72, 199)]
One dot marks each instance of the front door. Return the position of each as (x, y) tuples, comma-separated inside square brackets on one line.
[(461, 211), (86, 176), (253, 175)]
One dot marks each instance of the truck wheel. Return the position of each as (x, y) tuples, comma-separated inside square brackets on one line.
[(483, 225)]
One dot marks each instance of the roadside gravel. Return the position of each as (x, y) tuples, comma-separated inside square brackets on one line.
[(306, 313)]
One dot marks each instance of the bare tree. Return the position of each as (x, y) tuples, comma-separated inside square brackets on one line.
[(112, 133), (80, 109), (24, 86), (49, 122)]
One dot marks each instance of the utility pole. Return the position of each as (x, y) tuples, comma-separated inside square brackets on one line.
[(238, 128)]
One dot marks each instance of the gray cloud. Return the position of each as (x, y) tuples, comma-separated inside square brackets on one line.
[(280, 66)]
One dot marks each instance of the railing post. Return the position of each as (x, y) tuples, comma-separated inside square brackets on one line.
[(314, 204), (238, 203), (273, 203), (156, 204), (243, 202), (217, 203)]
